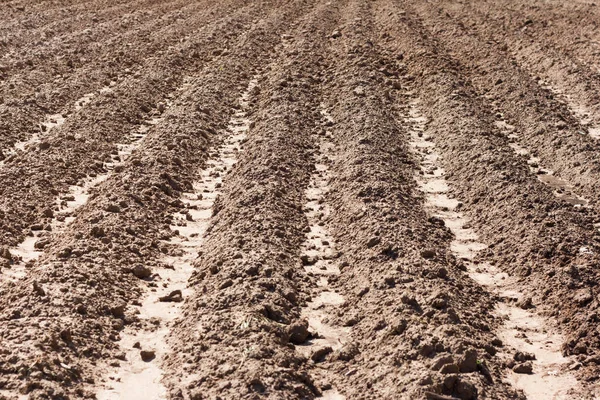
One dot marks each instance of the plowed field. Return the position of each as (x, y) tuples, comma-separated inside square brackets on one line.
[(299, 199)]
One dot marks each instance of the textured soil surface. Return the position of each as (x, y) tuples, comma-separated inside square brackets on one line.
[(299, 199)]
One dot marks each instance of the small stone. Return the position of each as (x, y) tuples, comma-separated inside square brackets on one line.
[(175, 296), (390, 281), (38, 289), (374, 241), (227, 283), (336, 34), (469, 361), (320, 354), (5, 253), (118, 311), (66, 335), (65, 252), (307, 260), (113, 208), (439, 302), (97, 231), (465, 390), (409, 299), (255, 384), (428, 254), (398, 327), (526, 303), (425, 380), (525, 368), (142, 272), (40, 244), (44, 145), (252, 270), (347, 352), (438, 299), (522, 356), (298, 332), (148, 355), (441, 361), (583, 297)]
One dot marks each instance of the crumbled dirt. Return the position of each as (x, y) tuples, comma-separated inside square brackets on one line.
[(410, 211)]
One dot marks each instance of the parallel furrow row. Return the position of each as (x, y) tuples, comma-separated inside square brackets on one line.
[(55, 84), (548, 245), (76, 282)]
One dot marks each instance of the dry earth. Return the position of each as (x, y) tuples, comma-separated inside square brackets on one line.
[(299, 199)]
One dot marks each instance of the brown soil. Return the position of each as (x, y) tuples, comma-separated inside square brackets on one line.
[(394, 199)]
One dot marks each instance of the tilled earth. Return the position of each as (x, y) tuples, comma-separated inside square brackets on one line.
[(298, 199)]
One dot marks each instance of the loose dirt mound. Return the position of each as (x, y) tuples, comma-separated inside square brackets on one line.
[(389, 199)]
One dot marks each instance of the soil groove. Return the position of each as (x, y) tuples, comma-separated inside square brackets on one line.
[(538, 367), (319, 259), (561, 188), (140, 376), (50, 123), (414, 215), (66, 205)]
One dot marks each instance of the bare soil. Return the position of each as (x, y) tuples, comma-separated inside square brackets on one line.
[(299, 199)]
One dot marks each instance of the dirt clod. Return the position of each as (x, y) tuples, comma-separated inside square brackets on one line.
[(147, 355), (524, 368), (142, 272), (298, 332)]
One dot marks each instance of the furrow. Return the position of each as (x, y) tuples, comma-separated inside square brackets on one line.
[(532, 346), (33, 15), (569, 28), (50, 87), (51, 121), (140, 376), (75, 49), (79, 297), (319, 257), (23, 255), (545, 125), (407, 331), (238, 330), (80, 147), (547, 245), (548, 50), (43, 32)]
